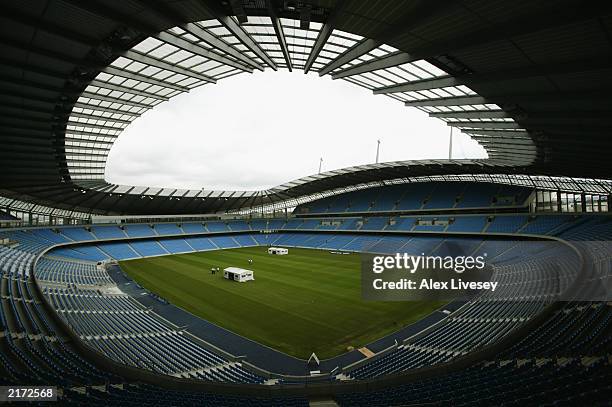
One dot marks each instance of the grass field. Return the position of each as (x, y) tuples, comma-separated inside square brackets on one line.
[(308, 301)]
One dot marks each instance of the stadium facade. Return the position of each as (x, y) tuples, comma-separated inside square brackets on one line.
[(528, 81)]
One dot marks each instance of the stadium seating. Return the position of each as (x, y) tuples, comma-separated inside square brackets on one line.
[(414, 196), (374, 223), (118, 250), (506, 224), (50, 235), (238, 225), (401, 223), (193, 228), (176, 246), (445, 195), (308, 224), (167, 229), (70, 272), (108, 232), (200, 243), (224, 242), (542, 225), (467, 224), (6, 216), (478, 195), (349, 224), (387, 198), (83, 252), (77, 234), (259, 224), (427, 224), (217, 226), (120, 327), (147, 248), (527, 383), (362, 201), (419, 196), (511, 195), (139, 231)]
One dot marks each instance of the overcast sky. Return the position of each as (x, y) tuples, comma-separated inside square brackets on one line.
[(257, 131)]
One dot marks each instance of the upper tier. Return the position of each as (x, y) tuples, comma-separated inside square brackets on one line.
[(420, 197)]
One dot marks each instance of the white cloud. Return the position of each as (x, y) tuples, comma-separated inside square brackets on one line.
[(257, 131)]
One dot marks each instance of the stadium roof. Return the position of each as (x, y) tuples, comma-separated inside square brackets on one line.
[(529, 81)]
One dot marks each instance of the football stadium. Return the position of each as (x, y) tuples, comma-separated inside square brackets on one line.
[(430, 282)]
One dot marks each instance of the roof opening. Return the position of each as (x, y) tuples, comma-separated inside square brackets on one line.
[(261, 130)]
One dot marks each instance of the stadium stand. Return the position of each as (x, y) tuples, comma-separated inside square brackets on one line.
[(6, 216), (528, 81), (420, 196), (467, 224), (121, 328), (167, 229), (139, 230), (506, 224)]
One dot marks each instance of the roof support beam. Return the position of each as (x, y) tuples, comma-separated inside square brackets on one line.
[(388, 61), (450, 101), (484, 125), (207, 37), (86, 141), (500, 141), (507, 134), (557, 68), (361, 48), (519, 158), (494, 146), (111, 99), (230, 24), (472, 114), (125, 89), (98, 108), (96, 117), (514, 159), (424, 84), (323, 35), (280, 35), (99, 154), (158, 63), (88, 147), (91, 133), (171, 14), (199, 50), (514, 152), (111, 70), (320, 42), (94, 126)]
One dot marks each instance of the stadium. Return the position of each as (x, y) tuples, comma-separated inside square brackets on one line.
[(115, 294)]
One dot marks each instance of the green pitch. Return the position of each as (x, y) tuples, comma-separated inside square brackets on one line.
[(308, 301)]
